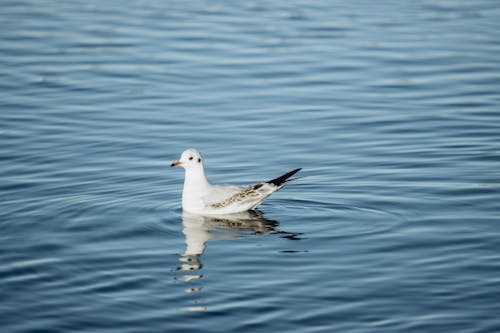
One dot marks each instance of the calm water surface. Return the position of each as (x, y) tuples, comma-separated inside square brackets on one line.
[(391, 108)]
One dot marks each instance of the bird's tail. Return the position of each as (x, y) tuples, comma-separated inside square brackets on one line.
[(281, 180)]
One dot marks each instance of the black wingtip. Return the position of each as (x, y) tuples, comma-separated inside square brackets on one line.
[(282, 179)]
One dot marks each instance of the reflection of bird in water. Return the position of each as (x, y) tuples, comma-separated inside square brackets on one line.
[(199, 229)]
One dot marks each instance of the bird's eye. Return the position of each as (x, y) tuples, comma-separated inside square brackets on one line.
[(191, 158), (199, 160)]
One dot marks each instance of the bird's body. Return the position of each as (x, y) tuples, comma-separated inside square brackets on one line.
[(201, 197)]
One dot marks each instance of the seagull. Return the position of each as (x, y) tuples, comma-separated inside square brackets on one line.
[(201, 197)]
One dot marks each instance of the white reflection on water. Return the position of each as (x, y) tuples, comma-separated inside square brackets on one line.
[(199, 229)]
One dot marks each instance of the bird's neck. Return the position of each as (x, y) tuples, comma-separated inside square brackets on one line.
[(195, 180), (196, 186)]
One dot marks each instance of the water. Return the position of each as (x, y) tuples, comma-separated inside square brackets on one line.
[(392, 109)]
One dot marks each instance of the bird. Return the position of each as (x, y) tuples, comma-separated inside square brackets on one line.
[(201, 197)]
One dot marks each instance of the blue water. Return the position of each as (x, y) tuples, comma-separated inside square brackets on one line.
[(392, 109)]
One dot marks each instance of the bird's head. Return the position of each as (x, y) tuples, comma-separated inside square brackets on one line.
[(190, 159)]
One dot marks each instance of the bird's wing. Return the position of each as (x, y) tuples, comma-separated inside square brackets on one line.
[(245, 197), (232, 199), (221, 192)]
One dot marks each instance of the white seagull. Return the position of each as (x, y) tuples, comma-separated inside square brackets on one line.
[(200, 197)]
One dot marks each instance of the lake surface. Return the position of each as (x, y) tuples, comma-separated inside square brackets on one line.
[(391, 108)]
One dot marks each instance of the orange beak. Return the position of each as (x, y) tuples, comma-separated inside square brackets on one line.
[(176, 163)]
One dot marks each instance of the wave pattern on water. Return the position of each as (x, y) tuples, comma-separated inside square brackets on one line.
[(391, 109)]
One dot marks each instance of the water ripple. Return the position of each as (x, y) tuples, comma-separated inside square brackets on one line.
[(391, 109)]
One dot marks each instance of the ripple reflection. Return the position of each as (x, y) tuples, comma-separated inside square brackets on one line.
[(199, 229)]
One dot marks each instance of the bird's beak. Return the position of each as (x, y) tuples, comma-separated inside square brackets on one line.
[(176, 163)]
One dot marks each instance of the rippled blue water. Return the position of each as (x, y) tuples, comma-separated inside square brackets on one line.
[(391, 108)]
